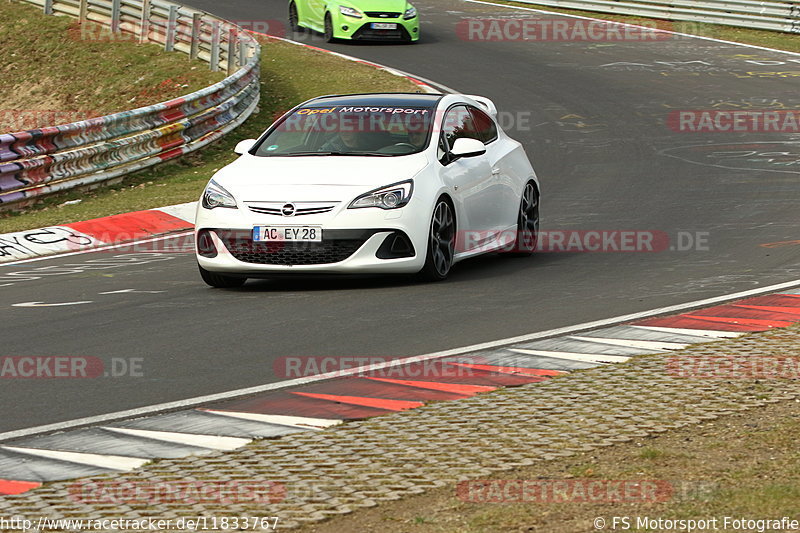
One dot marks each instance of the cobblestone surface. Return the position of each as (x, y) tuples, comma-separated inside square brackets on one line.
[(360, 464)]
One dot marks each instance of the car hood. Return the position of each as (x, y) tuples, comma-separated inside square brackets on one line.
[(314, 178), (379, 5)]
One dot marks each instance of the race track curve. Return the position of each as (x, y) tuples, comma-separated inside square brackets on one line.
[(593, 117)]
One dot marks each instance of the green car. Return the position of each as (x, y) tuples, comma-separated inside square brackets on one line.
[(356, 19)]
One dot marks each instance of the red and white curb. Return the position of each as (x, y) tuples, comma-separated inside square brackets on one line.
[(317, 402), (96, 233)]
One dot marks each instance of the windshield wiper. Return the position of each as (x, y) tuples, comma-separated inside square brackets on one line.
[(311, 153), (347, 154)]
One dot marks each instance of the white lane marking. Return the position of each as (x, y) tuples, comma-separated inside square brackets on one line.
[(191, 439), (129, 291), (112, 462), (281, 420), (103, 249), (633, 26), (712, 334), (574, 356), (42, 304), (645, 345), (200, 400)]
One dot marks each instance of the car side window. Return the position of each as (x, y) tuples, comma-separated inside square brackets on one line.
[(458, 123), (484, 125)]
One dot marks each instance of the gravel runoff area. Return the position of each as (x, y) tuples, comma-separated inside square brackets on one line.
[(310, 476)]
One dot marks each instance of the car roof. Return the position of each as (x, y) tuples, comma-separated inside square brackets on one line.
[(378, 100)]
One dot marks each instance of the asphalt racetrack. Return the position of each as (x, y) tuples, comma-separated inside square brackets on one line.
[(595, 119)]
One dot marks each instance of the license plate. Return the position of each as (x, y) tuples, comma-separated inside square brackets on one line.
[(287, 233), (383, 26)]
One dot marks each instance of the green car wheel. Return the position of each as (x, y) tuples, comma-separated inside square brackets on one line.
[(293, 25)]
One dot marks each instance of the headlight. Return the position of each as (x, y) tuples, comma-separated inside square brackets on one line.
[(215, 195), (350, 12), (410, 13), (389, 197)]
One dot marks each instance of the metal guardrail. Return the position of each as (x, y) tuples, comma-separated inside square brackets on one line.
[(773, 16), (37, 162)]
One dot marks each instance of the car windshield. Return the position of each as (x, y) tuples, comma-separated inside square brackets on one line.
[(349, 131)]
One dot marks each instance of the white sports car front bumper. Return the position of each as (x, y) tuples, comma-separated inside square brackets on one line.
[(369, 240)]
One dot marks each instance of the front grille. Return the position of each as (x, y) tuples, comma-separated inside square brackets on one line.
[(300, 210), (382, 14), (337, 245), (367, 33)]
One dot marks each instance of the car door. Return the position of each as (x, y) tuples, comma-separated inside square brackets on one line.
[(468, 179), (503, 191), (315, 10)]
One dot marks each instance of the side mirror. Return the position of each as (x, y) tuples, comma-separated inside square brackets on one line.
[(465, 147), (244, 146)]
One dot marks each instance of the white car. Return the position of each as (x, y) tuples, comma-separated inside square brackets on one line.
[(369, 183)]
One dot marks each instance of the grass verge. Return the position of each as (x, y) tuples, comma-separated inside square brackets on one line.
[(740, 466), (57, 69), (290, 74)]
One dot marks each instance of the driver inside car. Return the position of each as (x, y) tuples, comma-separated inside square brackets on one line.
[(345, 140)]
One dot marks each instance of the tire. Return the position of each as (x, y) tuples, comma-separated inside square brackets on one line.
[(527, 222), (329, 38), (294, 19), (220, 281), (441, 243)]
